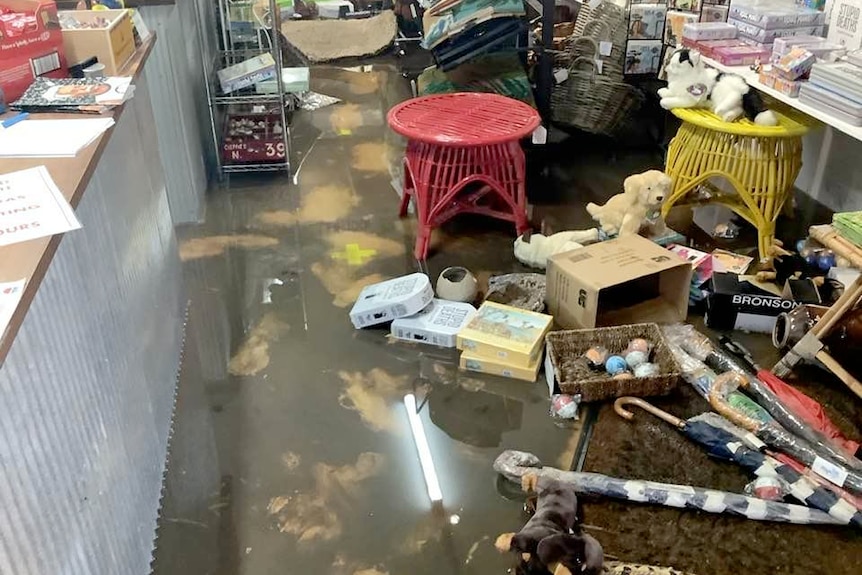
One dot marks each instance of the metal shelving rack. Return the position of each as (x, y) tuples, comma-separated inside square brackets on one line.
[(228, 55)]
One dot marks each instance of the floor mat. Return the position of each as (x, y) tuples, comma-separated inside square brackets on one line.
[(693, 541), (327, 40)]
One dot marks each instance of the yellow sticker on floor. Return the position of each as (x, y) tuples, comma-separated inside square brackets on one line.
[(354, 255)]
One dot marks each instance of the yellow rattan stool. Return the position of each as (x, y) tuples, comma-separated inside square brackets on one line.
[(760, 163)]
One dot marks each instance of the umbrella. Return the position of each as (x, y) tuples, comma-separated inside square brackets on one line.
[(751, 441), (515, 464), (802, 435), (769, 389), (723, 398), (725, 445)]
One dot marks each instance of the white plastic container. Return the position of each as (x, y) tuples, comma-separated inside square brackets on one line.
[(389, 300), (437, 324)]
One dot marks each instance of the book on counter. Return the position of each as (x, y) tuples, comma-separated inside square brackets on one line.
[(95, 95), (505, 334)]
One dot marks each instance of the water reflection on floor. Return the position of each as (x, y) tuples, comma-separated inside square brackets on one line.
[(301, 451)]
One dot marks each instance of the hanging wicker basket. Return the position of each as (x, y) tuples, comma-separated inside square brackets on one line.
[(591, 102)]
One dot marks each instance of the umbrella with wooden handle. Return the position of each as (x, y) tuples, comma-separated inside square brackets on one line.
[(724, 445)]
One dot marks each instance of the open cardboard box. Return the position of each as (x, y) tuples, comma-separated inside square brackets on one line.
[(616, 282), (112, 45)]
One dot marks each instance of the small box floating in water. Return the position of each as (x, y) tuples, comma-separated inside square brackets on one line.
[(437, 324), (392, 299)]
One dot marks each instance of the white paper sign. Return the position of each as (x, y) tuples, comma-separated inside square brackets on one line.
[(10, 295), (540, 135), (561, 75), (32, 207), (605, 48)]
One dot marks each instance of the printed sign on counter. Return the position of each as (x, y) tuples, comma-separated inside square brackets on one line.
[(32, 207)]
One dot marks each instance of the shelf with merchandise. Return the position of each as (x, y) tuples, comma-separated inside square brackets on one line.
[(263, 147), (250, 94), (253, 138)]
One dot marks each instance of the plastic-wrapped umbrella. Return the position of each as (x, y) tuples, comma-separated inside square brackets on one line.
[(803, 437), (751, 441), (702, 348), (770, 390), (725, 445), (774, 435), (737, 406), (515, 464)]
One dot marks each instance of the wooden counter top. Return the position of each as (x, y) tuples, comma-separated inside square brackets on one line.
[(31, 259)]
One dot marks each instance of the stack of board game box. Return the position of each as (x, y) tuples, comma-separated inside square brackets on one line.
[(835, 88), (504, 340), (764, 21)]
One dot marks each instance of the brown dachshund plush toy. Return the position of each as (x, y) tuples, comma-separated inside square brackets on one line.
[(552, 540)]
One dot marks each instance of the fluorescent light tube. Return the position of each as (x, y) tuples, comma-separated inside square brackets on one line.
[(421, 441)]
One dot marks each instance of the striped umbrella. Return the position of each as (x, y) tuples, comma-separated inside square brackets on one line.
[(514, 464), (722, 444)]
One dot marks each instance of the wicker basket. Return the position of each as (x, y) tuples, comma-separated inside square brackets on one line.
[(599, 31), (591, 102), (566, 345), (605, 24)]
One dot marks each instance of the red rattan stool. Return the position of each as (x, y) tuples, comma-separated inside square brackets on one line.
[(463, 155)]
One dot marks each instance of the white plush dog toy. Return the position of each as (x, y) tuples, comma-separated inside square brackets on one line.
[(690, 84), (534, 249), (639, 204)]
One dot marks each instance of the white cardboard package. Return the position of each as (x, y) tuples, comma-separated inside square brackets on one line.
[(438, 324), (385, 301)]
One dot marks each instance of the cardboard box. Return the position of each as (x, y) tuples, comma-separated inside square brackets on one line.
[(737, 304), (385, 301), (495, 366), (620, 281), (31, 45), (112, 45), (504, 333), (437, 324)]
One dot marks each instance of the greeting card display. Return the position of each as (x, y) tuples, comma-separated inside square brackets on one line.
[(643, 57), (646, 21)]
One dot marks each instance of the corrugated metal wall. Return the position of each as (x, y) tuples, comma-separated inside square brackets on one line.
[(87, 390), (179, 100)]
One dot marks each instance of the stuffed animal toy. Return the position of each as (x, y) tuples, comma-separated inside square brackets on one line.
[(637, 208), (552, 539), (690, 84), (534, 249)]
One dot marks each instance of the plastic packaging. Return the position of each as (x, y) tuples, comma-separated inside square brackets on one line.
[(515, 464), (565, 406), (310, 101), (647, 370), (694, 371), (596, 356), (768, 488), (615, 364), (636, 358)]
